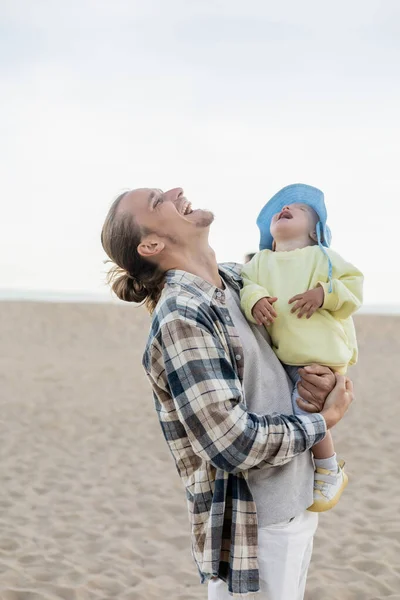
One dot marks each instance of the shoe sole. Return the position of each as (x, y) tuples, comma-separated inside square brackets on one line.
[(321, 506)]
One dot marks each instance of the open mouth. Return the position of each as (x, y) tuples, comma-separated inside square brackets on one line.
[(285, 215), (185, 208)]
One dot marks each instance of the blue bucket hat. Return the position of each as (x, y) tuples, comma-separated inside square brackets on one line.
[(296, 193)]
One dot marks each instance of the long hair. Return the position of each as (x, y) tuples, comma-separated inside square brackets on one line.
[(132, 278)]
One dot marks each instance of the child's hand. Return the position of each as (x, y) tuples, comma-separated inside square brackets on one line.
[(263, 311), (308, 302)]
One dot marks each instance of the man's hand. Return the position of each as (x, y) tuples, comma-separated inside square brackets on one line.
[(308, 302), (338, 401), (263, 311), (315, 385)]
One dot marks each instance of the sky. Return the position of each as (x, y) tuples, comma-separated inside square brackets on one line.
[(230, 100)]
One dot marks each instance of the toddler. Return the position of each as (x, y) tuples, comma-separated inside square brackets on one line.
[(305, 294)]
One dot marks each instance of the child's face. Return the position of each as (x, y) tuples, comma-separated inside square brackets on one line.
[(294, 221)]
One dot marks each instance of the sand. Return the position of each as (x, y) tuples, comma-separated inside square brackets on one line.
[(91, 506)]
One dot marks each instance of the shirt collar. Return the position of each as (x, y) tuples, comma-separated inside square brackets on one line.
[(229, 271)]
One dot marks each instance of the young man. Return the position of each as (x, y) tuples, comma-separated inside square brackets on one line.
[(223, 400)]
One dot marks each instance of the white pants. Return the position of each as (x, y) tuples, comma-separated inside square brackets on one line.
[(284, 554)]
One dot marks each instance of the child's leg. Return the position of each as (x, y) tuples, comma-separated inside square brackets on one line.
[(293, 373), (329, 480), (324, 449)]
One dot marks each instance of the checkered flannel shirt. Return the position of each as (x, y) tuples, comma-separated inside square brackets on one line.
[(194, 361)]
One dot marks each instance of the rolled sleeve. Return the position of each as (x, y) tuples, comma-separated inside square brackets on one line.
[(315, 426)]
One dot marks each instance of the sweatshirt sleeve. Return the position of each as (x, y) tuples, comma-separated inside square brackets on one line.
[(252, 291), (347, 288)]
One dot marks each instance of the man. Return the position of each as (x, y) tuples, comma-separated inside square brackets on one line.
[(223, 400)]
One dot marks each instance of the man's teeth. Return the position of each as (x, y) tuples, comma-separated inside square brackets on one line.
[(187, 208)]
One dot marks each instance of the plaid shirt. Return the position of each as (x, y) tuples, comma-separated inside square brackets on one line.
[(194, 361)]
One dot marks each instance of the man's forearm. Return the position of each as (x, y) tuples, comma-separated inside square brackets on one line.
[(233, 439), (309, 430)]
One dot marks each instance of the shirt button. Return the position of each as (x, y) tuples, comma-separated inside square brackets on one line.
[(238, 357), (219, 294)]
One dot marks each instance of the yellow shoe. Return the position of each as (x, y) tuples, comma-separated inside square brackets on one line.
[(328, 487)]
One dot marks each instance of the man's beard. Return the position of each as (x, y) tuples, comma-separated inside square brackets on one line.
[(204, 219)]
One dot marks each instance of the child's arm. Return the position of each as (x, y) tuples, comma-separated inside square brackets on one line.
[(252, 291), (347, 288), (345, 297)]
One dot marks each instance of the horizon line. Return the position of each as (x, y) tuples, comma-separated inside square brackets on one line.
[(109, 298)]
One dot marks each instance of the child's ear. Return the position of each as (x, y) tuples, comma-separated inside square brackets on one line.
[(313, 236)]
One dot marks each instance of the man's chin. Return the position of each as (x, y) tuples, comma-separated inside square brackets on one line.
[(204, 218)]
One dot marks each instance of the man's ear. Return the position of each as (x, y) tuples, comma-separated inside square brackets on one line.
[(150, 246)]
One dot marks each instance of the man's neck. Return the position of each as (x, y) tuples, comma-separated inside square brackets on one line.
[(201, 263)]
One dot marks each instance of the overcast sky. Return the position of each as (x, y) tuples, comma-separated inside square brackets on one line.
[(229, 99)]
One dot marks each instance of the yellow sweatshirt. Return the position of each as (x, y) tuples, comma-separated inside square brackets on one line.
[(328, 337)]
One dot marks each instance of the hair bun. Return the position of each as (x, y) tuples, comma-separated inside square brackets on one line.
[(128, 288)]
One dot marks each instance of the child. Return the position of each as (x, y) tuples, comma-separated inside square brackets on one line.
[(305, 294)]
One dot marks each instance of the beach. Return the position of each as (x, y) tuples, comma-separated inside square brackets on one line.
[(91, 505)]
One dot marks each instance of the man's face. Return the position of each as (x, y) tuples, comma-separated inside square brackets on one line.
[(166, 214), (294, 221)]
